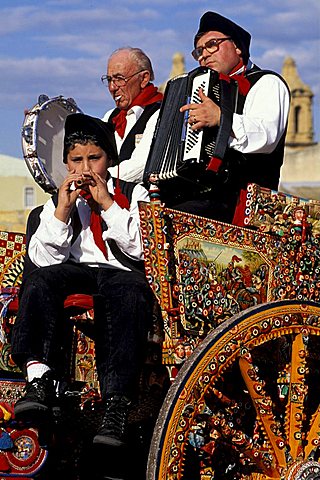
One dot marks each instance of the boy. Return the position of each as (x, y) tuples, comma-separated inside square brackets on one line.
[(88, 241)]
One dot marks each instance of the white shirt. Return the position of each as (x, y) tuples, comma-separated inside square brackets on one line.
[(51, 243), (263, 120), (132, 169)]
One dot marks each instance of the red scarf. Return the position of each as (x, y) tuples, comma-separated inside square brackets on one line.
[(95, 217), (147, 96), (243, 82)]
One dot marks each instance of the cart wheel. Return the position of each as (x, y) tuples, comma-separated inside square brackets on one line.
[(246, 404)]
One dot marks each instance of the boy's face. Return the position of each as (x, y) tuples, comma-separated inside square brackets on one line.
[(86, 158)]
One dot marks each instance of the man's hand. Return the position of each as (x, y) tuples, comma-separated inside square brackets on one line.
[(204, 114)]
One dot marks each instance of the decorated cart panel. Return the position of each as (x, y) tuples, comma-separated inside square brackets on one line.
[(241, 315)]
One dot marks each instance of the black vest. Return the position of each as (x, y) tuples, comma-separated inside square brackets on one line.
[(129, 143), (239, 169)]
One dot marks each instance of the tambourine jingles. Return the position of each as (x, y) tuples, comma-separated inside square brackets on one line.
[(42, 140)]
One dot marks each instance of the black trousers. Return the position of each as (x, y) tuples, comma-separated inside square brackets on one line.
[(123, 316)]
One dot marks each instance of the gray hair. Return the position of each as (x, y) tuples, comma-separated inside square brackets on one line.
[(139, 57)]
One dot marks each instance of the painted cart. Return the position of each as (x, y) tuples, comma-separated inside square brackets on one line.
[(242, 323), (241, 318)]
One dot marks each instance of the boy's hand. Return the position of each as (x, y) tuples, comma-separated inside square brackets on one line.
[(67, 197), (100, 192)]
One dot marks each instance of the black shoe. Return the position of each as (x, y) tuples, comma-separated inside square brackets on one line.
[(113, 430), (38, 400)]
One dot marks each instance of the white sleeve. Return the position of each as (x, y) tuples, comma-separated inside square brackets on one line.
[(132, 169), (264, 117), (51, 242), (124, 225)]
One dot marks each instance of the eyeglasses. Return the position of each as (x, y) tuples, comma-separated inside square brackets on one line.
[(118, 80), (211, 46)]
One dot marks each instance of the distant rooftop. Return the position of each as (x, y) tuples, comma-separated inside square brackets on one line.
[(13, 167)]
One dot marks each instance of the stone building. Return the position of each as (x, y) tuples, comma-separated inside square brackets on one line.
[(178, 67), (19, 193), (300, 126), (300, 173)]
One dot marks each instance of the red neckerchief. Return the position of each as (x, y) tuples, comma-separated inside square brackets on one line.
[(147, 96), (95, 217), (95, 222), (243, 82)]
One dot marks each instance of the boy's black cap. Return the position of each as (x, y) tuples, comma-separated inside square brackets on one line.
[(103, 132)]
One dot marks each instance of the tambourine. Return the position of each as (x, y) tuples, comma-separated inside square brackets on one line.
[(42, 140)]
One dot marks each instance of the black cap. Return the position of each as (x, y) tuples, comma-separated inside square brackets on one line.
[(102, 131), (211, 21)]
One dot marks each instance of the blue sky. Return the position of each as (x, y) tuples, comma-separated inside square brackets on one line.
[(60, 47)]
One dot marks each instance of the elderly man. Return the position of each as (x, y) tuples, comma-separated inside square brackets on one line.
[(258, 125), (129, 77)]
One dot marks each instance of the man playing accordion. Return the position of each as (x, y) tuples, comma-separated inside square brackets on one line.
[(256, 142)]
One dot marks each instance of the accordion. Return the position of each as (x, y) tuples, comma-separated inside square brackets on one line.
[(179, 156)]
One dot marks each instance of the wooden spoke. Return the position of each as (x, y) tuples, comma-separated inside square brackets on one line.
[(313, 438), (297, 393), (263, 405), (245, 405)]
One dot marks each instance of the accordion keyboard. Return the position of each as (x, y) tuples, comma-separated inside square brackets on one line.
[(193, 138)]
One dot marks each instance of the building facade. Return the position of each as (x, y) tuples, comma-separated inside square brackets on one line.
[(19, 194), (300, 173), (300, 132)]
